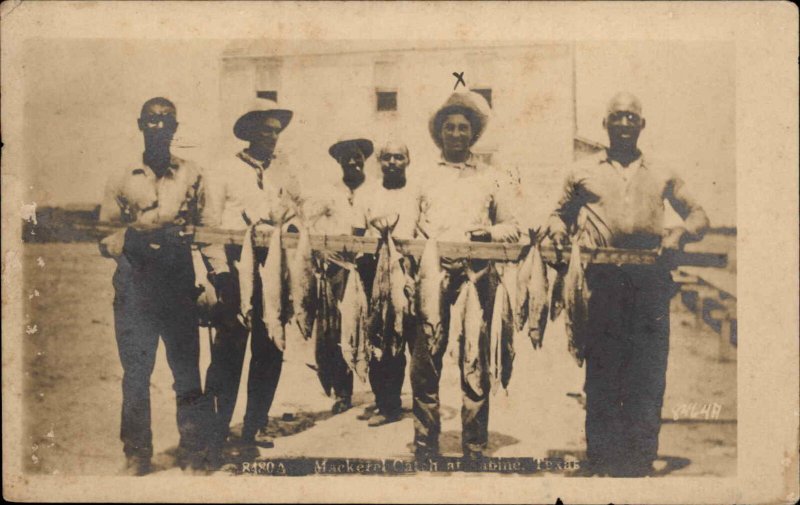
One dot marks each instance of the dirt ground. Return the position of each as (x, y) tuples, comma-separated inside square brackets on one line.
[(73, 399)]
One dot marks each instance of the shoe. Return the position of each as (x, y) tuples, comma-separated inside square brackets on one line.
[(341, 405), (368, 412), (258, 438), (136, 466), (473, 455), (423, 454), (379, 419)]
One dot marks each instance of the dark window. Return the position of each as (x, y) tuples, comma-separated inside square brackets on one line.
[(486, 93), (386, 100), (269, 95)]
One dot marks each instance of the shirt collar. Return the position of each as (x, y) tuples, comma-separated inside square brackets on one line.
[(174, 165), (257, 164), (637, 163), (470, 162)]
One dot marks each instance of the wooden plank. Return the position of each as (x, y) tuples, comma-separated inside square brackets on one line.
[(470, 250), (722, 280)]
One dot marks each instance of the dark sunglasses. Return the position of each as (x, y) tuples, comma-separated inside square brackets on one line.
[(152, 120), (630, 116)]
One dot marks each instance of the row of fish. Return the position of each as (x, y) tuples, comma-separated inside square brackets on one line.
[(292, 290)]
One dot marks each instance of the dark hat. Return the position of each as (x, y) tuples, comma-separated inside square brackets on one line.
[(364, 145), (469, 103), (257, 110)]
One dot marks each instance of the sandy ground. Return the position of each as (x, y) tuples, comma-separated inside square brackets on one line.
[(73, 399)]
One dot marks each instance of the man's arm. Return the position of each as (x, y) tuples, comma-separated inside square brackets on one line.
[(110, 211), (504, 220), (214, 195), (565, 215), (695, 220)]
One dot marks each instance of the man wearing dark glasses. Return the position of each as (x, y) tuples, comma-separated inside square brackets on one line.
[(155, 287)]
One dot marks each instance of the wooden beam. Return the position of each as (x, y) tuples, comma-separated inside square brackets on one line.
[(497, 251)]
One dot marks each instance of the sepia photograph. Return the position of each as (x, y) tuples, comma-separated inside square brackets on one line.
[(293, 256)]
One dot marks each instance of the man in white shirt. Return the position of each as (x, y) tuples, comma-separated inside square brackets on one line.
[(391, 200), (248, 188), (335, 212), (463, 199)]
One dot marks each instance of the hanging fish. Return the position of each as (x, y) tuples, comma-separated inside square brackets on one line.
[(326, 330), (303, 284), (246, 267), (557, 295), (397, 281), (471, 353), (537, 297), (353, 312), (458, 313), (389, 301), (429, 287), (501, 344), (206, 294), (276, 290), (576, 303), (523, 281)]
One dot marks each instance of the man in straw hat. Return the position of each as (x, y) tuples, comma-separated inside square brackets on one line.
[(245, 189), (335, 212), (463, 199), (616, 199), (154, 284)]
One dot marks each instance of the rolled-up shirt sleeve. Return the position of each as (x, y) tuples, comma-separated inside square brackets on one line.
[(211, 215), (503, 214), (694, 217), (565, 215), (110, 208)]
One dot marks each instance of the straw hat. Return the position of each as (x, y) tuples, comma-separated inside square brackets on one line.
[(257, 110), (469, 103)]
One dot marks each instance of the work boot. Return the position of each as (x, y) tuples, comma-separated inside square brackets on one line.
[(423, 453), (136, 466), (341, 405), (368, 412), (380, 419), (258, 438)]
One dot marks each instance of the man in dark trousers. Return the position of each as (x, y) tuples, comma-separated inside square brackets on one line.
[(333, 210), (393, 201), (154, 283), (616, 199), (463, 198), (246, 188)]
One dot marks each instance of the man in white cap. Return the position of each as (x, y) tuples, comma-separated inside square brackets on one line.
[(463, 199), (336, 212), (248, 188), (616, 199)]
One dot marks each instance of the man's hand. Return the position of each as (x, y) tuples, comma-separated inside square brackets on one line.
[(384, 223), (112, 245), (673, 240), (504, 233)]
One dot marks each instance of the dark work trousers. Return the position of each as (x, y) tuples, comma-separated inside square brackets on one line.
[(341, 375), (155, 296), (227, 360), (426, 371), (626, 364), (386, 377)]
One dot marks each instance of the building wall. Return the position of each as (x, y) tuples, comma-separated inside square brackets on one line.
[(83, 96), (530, 132)]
